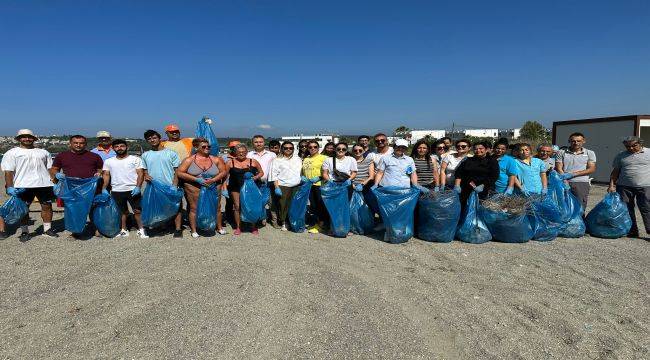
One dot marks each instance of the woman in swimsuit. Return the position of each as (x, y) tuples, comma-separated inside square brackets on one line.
[(237, 169), (201, 169)]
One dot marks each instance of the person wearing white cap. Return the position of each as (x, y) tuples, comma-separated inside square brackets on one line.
[(397, 169), (104, 148), (26, 176)]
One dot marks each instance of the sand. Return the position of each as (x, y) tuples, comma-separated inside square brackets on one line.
[(286, 295)]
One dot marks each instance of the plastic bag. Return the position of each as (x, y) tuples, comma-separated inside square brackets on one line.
[(438, 216), (335, 197), (206, 208), (160, 202), (472, 229), (397, 207), (361, 218), (506, 226), (298, 208), (573, 226), (609, 218), (106, 215), (371, 200), (204, 130), (13, 210), (250, 202), (265, 190), (78, 195), (545, 219)]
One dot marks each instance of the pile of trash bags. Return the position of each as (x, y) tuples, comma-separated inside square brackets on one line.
[(609, 218), (160, 203), (397, 206), (438, 215), (14, 209)]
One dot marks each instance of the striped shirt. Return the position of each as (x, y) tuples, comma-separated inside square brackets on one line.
[(363, 170), (424, 168)]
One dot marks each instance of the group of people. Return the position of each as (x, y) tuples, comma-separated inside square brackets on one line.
[(461, 166)]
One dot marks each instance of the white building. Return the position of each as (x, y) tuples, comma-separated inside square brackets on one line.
[(321, 138), (421, 134), (493, 133)]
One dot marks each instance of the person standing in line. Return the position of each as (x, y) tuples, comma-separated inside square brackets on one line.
[(104, 148), (425, 167), (285, 176), (508, 170), (312, 170), (161, 163), (302, 148), (198, 170), (382, 149), (545, 153), (397, 169), (575, 165), (26, 173), (77, 162), (479, 170), (329, 150), (181, 146), (264, 158), (340, 168), (125, 175), (447, 141), (365, 169), (274, 147), (630, 177), (241, 168), (364, 142), (451, 161), (532, 172), (439, 151)]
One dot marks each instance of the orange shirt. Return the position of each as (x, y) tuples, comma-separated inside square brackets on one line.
[(182, 147)]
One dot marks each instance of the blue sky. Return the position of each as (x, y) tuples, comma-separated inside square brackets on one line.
[(281, 67)]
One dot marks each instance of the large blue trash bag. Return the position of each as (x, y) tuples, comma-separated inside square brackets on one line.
[(206, 208), (371, 200), (265, 190), (250, 202), (506, 225), (13, 210), (78, 195), (298, 207), (609, 218), (335, 197), (545, 218), (204, 130), (106, 215), (573, 226), (438, 216), (471, 227), (361, 218), (397, 208), (160, 203)]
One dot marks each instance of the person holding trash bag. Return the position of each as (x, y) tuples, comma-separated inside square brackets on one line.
[(508, 170), (630, 177), (125, 175), (26, 167), (285, 176), (397, 169), (474, 171), (341, 168), (532, 172), (365, 167), (239, 169), (264, 158), (574, 166), (199, 171), (312, 166), (160, 164), (85, 167), (451, 161), (204, 130), (340, 171), (425, 166)]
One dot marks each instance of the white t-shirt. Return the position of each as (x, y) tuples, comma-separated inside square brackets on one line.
[(124, 176), (346, 165), (286, 171), (264, 158), (30, 167), (375, 156), (452, 163)]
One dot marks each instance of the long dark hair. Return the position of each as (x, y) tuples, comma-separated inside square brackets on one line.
[(427, 156)]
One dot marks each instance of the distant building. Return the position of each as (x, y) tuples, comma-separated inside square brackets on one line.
[(493, 133), (416, 135), (321, 138), (510, 134)]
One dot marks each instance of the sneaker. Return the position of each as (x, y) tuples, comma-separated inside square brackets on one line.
[(178, 234), (50, 233), (3, 235), (142, 234), (123, 233), (255, 232), (236, 232), (195, 235), (221, 232), (283, 228), (314, 230), (24, 236)]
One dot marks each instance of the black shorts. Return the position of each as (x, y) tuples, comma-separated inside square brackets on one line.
[(43, 194), (122, 198)]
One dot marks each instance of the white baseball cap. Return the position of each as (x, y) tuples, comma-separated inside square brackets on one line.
[(401, 142), (103, 133), (23, 132)]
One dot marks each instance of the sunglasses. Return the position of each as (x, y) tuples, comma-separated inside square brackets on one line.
[(287, 148), (357, 150), (313, 147), (462, 146), (380, 140), (341, 149), (206, 147), (441, 148)]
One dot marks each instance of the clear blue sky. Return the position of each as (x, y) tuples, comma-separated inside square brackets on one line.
[(303, 66)]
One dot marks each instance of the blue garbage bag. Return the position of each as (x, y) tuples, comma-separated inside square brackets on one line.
[(609, 218), (471, 228), (13, 210), (438, 216), (206, 208), (250, 202), (506, 226), (545, 218), (335, 197), (397, 208), (573, 226), (204, 130), (265, 190), (106, 215), (361, 218), (160, 203), (371, 200), (78, 195), (298, 207)]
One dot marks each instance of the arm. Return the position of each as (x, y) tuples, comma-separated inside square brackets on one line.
[(9, 179), (544, 180), (53, 171), (353, 174), (414, 177), (175, 180), (371, 173), (325, 174), (436, 173), (181, 171), (378, 176), (140, 180), (613, 178), (443, 175), (591, 168), (260, 172), (106, 177)]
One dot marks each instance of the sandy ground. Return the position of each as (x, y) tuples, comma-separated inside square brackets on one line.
[(285, 295)]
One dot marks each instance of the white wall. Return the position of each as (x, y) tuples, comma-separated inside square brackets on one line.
[(420, 134), (482, 132)]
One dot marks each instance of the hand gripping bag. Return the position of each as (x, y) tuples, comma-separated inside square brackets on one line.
[(250, 202), (438, 216), (204, 130), (472, 229), (106, 215), (504, 225), (160, 203), (335, 197), (298, 207), (78, 195), (361, 218), (397, 207), (545, 218), (206, 208), (13, 210), (609, 218)]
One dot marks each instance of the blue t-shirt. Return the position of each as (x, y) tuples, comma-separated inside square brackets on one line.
[(161, 164), (103, 154), (507, 167), (529, 175)]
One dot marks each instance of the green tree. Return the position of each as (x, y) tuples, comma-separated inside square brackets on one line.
[(534, 131), (401, 131)]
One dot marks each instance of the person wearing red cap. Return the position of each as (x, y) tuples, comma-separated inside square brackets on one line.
[(174, 142)]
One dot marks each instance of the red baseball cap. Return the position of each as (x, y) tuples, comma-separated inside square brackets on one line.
[(172, 127)]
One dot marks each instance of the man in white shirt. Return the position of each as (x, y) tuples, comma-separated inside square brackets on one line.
[(381, 144), (27, 176), (264, 157), (125, 174)]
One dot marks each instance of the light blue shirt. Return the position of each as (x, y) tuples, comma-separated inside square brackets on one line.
[(530, 175), (507, 167), (161, 164), (103, 154), (394, 169)]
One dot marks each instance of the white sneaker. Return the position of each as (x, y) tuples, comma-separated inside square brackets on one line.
[(142, 234), (221, 232), (195, 235), (123, 233), (283, 228)]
